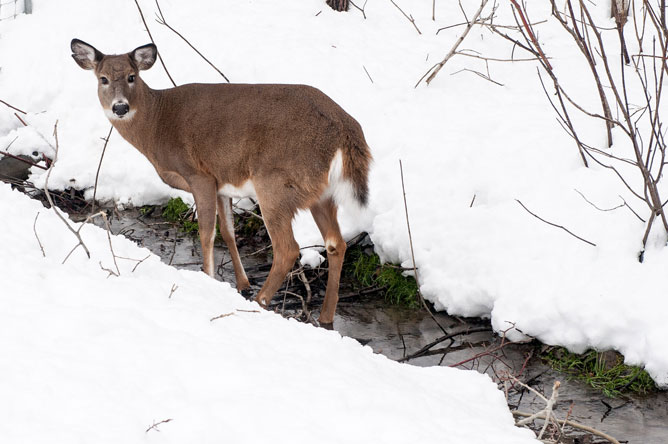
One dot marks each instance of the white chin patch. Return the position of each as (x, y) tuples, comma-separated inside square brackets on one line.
[(112, 116)]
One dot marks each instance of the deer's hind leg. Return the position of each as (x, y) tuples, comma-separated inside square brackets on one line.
[(278, 209), (226, 225), (324, 214)]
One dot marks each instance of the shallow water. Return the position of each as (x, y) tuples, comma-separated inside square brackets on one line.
[(397, 332)]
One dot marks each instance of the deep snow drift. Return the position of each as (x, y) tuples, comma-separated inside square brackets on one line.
[(88, 358), (460, 138)]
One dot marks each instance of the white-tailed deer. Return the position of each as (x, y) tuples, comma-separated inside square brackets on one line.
[(289, 146)]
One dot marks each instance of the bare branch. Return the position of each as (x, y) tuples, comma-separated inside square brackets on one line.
[(161, 20), (436, 68), (153, 41), (408, 17), (555, 225), (99, 165)]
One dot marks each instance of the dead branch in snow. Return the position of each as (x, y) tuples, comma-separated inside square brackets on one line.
[(409, 17), (34, 229), (174, 288), (224, 315), (423, 351), (155, 425), (555, 225), (410, 240), (367, 73), (362, 9), (153, 41), (433, 71), (640, 125), (99, 165), (161, 20), (53, 206), (12, 107)]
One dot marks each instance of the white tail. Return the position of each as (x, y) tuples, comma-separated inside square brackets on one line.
[(290, 146)]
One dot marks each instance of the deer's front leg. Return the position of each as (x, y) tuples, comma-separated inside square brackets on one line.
[(204, 191)]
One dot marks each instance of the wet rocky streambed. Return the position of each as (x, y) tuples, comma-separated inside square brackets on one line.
[(413, 336)]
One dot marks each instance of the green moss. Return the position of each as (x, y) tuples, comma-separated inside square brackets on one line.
[(180, 213), (369, 272), (602, 371), (249, 225)]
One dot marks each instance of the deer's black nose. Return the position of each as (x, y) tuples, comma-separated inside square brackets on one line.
[(120, 109)]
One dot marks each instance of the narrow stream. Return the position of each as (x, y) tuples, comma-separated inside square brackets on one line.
[(398, 332)]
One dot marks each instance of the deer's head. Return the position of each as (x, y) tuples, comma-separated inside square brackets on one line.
[(119, 83)]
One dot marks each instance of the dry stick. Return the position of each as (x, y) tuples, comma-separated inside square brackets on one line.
[(572, 424), (429, 346), (12, 107), (32, 164), (53, 206), (361, 9), (34, 229), (307, 286), (99, 165), (21, 120), (408, 17), (161, 20), (111, 247), (410, 240), (367, 73), (436, 68), (156, 424), (531, 34), (653, 200), (174, 288), (554, 225), (224, 315), (596, 206), (153, 41)]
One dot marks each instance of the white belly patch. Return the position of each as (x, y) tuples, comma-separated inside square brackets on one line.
[(245, 190)]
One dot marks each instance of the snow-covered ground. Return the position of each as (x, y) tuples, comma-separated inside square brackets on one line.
[(460, 138), (91, 359)]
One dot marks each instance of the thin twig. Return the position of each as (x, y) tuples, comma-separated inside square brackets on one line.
[(34, 229), (99, 165), (155, 425), (410, 240), (572, 424), (224, 315), (161, 20), (367, 73), (555, 225), (436, 68), (408, 17), (153, 41), (12, 107)]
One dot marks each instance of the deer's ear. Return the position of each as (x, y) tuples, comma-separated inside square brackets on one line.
[(85, 55), (145, 56)]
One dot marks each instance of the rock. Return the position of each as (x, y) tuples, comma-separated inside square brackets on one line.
[(13, 169)]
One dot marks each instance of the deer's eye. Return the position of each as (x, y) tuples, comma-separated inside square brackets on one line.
[(104, 80), (131, 78)]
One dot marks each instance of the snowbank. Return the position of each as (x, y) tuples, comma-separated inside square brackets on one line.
[(461, 139), (94, 359)]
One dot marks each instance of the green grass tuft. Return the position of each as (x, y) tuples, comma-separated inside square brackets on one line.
[(605, 372), (179, 212), (369, 272)]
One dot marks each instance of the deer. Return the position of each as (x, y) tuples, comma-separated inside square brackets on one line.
[(289, 147)]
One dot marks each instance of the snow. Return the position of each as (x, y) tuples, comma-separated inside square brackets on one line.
[(96, 359), (470, 149)]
